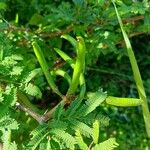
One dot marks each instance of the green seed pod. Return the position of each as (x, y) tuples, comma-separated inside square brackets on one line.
[(40, 57), (79, 65), (123, 102)]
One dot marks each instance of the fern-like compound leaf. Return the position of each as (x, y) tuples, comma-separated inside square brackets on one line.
[(80, 142), (94, 101), (65, 137), (16, 70), (10, 97), (33, 90), (109, 144), (8, 123), (58, 124), (90, 118), (45, 145), (84, 128), (73, 107), (39, 129), (6, 139), (38, 135), (104, 120), (1, 96), (59, 111), (32, 74)]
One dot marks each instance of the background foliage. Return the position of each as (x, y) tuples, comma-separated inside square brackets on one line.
[(107, 64)]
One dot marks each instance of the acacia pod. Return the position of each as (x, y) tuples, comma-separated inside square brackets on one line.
[(123, 102), (79, 65)]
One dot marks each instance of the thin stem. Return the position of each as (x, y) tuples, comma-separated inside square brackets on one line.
[(109, 71), (36, 116), (22, 98), (49, 114)]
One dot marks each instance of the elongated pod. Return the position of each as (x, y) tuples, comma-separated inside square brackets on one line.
[(39, 54), (79, 66), (71, 62), (123, 102)]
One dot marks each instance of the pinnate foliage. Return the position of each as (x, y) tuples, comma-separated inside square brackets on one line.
[(65, 128), (76, 124), (69, 130)]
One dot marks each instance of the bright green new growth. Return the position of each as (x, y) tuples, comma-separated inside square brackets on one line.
[(7, 138), (39, 54), (136, 74), (81, 143), (109, 144)]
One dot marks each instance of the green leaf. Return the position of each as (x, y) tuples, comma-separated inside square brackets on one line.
[(58, 124), (66, 138), (16, 70), (96, 115), (94, 101), (84, 128), (59, 111), (8, 123), (73, 107), (80, 142), (36, 19), (147, 23), (6, 139), (9, 99), (46, 145), (1, 96), (33, 90), (109, 144), (38, 135), (95, 135), (32, 74)]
